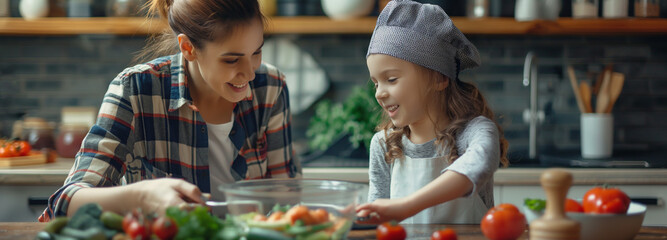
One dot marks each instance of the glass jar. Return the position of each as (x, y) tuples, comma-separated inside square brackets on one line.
[(615, 8), (647, 8), (123, 8), (4, 8), (477, 8), (70, 138), (584, 8), (79, 8), (38, 133)]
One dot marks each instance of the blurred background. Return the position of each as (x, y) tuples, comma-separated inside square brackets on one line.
[(42, 72)]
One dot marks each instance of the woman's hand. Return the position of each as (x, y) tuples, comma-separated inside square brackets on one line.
[(384, 210), (158, 194)]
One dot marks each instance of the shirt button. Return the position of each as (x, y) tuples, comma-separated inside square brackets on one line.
[(233, 132), (203, 129)]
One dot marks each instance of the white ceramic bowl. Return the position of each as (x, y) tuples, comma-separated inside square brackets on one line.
[(347, 9), (604, 226)]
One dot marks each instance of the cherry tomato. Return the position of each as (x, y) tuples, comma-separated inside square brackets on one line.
[(390, 231), (138, 230), (573, 206), (164, 228), (127, 220), (4, 151), (444, 234), (503, 222), (136, 225), (22, 148), (606, 200)]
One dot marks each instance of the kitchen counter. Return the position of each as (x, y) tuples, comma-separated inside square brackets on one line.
[(28, 231), (55, 174)]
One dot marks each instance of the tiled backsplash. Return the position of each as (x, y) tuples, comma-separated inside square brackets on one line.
[(39, 75)]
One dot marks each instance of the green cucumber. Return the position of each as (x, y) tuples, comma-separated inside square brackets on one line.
[(305, 230), (268, 225), (90, 234), (55, 225), (341, 233), (265, 234), (315, 236), (112, 220)]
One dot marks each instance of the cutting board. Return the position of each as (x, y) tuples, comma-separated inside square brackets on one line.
[(35, 157)]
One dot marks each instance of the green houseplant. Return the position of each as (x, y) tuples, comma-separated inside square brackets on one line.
[(355, 118)]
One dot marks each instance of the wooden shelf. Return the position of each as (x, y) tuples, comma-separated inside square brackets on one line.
[(324, 25)]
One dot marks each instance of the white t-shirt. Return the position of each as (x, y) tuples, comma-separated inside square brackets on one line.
[(221, 154)]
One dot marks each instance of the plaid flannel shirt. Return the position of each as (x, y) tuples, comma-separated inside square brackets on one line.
[(148, 128)]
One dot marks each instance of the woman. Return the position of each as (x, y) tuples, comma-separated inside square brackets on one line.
[(150, 146)]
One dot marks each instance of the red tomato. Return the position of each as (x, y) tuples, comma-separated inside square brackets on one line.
[(503, 222), (444, 234), (606, 200), (137, 230), (573, 206), (390, 231), (4, 151), (22, 148), (164, 228), (127, 220)]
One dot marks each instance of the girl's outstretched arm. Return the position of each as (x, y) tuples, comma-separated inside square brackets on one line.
[(448, 186)]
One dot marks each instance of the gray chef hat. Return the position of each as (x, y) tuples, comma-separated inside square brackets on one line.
[(425, 35)]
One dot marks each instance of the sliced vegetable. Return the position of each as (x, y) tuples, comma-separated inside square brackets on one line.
[(255, 233), (341, 228), (276, 225), (315, 236), (305, 230)]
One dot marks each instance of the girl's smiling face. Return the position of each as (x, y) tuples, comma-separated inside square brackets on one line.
[(228, 65), (400, 89)]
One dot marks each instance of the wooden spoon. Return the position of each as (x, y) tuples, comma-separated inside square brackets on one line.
[(575, 88), (615, 87), (598, 82), (603, 95), (585, 89)]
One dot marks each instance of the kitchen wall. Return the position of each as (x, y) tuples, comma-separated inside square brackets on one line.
[(39, 75)]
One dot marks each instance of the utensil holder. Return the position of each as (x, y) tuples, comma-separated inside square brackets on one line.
[(597, 135)]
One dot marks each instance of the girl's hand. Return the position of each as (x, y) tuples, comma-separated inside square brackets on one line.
[(384, 210), (157, 195)]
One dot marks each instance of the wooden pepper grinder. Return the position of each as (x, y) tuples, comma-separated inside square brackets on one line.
[(554, 224)]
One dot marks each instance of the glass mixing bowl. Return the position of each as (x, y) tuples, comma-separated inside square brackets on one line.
[(252, 202)]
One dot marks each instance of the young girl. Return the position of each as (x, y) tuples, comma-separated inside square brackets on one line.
[(211, 114), (434, 158)]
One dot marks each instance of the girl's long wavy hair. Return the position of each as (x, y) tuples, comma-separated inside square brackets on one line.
[(460, 102), (201, 20)]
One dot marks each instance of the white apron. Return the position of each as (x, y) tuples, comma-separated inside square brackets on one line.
[(409, 175)]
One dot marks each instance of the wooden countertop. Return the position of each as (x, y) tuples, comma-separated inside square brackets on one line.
[(28, 231), (55, 174)]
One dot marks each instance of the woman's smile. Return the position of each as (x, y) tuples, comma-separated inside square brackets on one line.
[(238, 88)]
